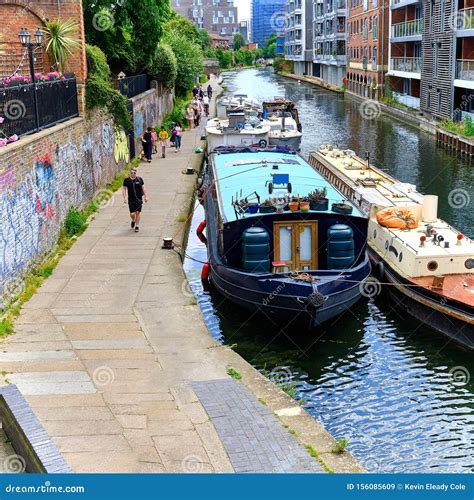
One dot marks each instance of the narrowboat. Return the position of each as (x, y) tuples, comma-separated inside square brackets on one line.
[(426, 266), (270, 248), (285, 127), (234, 102)]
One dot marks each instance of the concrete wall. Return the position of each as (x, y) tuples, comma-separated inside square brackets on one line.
[(149, 109), (41, 177)]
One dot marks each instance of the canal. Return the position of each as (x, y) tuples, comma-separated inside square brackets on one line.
[(400, 394)]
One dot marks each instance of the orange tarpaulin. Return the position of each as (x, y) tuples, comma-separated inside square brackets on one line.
[(397, 218)]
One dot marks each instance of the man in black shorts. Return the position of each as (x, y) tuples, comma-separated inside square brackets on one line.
[(134, 188)]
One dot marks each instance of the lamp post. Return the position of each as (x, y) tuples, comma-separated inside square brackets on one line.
[(25, 39)]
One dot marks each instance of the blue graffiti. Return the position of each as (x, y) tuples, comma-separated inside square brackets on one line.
[(138, 124)]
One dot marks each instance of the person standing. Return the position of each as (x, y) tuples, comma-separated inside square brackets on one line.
[(134, 192), (163, 137), (205, 102), (195, 91), (209, 91), (177, 138), (190, 116), (147, 143), (201, 92), (154, 140)]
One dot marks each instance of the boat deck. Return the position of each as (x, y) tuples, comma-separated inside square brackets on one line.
[(458, 287)]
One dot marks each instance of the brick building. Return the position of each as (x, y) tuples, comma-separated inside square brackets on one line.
[(215, 16), (367, 47)]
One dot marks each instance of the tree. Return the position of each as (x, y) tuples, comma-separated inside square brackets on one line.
[(270, 47), (61, 41), (224, 57), (189, 61), (164, 66), (204, 39), (182, 26), (238, 41), (126, 30)]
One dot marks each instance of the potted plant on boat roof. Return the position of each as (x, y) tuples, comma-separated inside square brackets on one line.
[(342, 208), (304, 204), (318, 199), (267, 206)]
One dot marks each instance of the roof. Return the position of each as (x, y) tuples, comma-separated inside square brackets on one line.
[(240, 174)]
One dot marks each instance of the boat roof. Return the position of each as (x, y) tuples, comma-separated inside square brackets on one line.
[(240, 174)]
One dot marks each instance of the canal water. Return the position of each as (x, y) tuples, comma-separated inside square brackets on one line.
[(401, 395)]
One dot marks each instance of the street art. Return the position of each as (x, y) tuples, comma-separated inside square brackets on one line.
[(107, 137), (138, 120), (121, 152)]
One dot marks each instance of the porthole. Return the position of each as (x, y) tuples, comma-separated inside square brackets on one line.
[(375, 233), (386, 245), (400, 257), (432, 265), (469, 264)]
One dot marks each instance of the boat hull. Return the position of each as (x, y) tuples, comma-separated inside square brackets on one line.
[(293, 142), (425, 306)]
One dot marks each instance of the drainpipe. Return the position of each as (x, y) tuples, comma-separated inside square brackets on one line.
[(383, 47)]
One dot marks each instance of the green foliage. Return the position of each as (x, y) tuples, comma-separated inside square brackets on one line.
[(164, 66), (128, 31), (6, 327), (204, 39), (468, 127), (61, 41), (238, 41), (465, 127), (178, 114), (244, 57), (341, 445), (234, 374), (75, 223), (224, 57), (179, 25), (270, 47), (99, 90), (282, 66), (189, 61)]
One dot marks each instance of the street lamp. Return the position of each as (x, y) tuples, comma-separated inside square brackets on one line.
[(25, 40)]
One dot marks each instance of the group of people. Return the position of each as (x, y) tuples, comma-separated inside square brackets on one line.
[(151, 138), (134, 192), (199, 105)]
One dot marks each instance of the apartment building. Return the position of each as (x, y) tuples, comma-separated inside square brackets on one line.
[(367, 47), (217, 16), (298, 36), (268, 17), (329, 40)]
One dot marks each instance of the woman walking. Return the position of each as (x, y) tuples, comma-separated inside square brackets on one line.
[(163, 137), (147, 143), (154, 139), (190, 116), (178, 129)]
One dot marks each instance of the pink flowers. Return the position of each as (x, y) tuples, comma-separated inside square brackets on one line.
[(13, 138), (24, 79), (1, 119), (3, 142)]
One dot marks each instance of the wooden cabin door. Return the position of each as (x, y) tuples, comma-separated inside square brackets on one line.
[(296, 244)]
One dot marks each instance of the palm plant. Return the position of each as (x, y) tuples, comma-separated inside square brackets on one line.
[(60, 41)]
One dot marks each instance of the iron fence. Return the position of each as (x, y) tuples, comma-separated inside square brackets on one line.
[(131, 86), (56, 100)]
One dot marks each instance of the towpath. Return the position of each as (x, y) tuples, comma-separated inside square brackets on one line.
[(114, 358)]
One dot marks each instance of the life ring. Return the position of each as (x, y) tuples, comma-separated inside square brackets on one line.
[(262, 143), (201, 227), (205, 272)]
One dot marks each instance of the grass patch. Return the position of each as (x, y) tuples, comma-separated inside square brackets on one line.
[(341, 445), (234, 374), (292, 432), (262, 401), (182, 218), (74, 225), (315, 455)]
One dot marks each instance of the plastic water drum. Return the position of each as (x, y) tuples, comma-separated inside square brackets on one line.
[(340, 247), (256, 250)]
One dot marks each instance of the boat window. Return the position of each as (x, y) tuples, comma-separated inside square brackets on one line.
[(286, 253)]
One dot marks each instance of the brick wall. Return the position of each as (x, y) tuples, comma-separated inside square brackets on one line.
[(42, 177)]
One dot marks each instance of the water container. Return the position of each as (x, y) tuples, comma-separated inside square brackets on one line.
[(340, 247), (256, 250)]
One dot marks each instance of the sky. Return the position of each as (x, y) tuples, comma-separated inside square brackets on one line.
[(243, 7)]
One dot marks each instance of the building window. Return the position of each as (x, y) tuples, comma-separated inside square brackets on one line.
[(375, 27), (438, 103), (442, 8)]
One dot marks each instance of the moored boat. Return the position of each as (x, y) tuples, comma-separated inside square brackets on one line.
[(427, 265), (285, 126), (235, 102), (267, 250)]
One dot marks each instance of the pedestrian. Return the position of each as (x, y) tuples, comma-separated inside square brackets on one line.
[(134, 192), (201, 92), (163, 136), (209, 91), (205, 103), (197, 114), (147, 143), (195, 90), (154, 140), (177, 138), (190, 116)]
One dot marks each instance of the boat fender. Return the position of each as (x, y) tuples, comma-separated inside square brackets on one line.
[(206, 271), (201, 227), (316, 299), (379, 270), (262, 143)]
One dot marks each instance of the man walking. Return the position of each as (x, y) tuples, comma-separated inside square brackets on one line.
[(209, 91), (134, 190)]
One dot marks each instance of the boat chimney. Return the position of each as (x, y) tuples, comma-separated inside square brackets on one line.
[(429, 212)]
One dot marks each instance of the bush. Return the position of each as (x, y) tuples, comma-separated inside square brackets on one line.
[(178, 114), (468, 127), (164, 66), (99, 90), (74, 223)]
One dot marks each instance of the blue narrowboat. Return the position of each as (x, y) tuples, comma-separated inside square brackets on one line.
[(268, 251)]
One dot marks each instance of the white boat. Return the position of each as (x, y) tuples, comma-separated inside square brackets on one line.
[(284, 130), (427, 265), (237, 130), (236, 101)]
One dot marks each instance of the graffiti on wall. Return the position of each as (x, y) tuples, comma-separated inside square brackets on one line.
[(138, 120), (121, 152)]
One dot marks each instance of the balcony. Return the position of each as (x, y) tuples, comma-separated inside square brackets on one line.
[(406, 64), (465, 19), (397, 4), (465, 69), (408, 29)]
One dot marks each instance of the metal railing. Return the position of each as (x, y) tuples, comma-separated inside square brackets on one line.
[(57, 102), (131, 86), (408, 64), (409, 28), (465, 69), (465, 19)]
